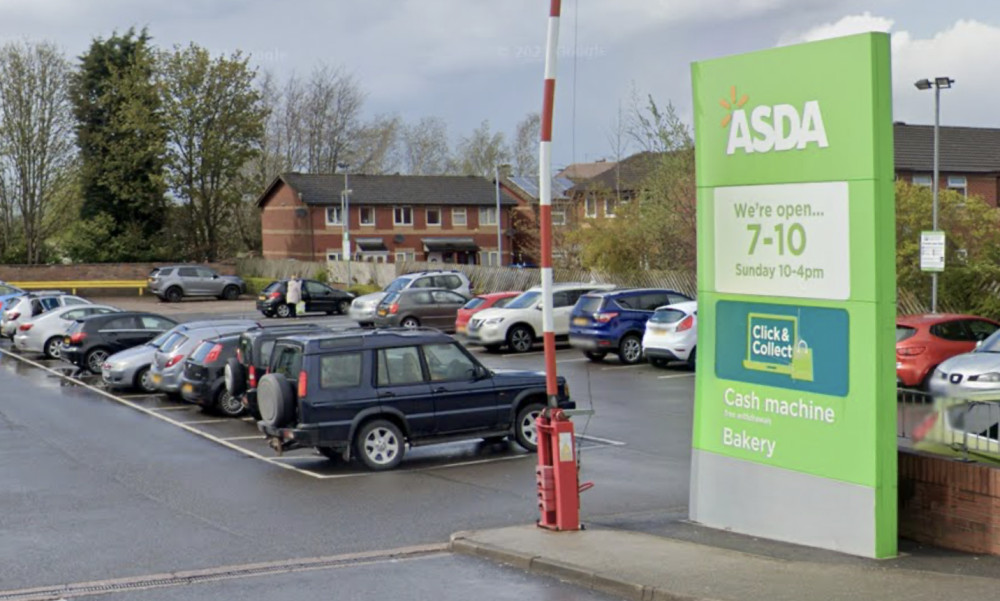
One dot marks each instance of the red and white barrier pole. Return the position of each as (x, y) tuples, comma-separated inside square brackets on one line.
[(545, 201)]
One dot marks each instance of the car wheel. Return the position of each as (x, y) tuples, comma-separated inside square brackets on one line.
[(410, 322), (525, 429), (235, 376), (227, 404), (330, 453), (230, 293), (693, 358), (174, 294), (53, 347), (283, 311), (144, 380), (343, 307), (95, 359), (379, 445), (596, 357), (520, 339), (630, 349), (275, 400)]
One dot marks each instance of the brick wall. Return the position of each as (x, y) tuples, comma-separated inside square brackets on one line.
[(949, 503), (91, 271)]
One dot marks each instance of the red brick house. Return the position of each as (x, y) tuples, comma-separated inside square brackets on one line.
[(968, 158), (451, 219)]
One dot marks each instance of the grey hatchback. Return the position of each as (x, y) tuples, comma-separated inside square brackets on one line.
[(172, 283), (414, 307)]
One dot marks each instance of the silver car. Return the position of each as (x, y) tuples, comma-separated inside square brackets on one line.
[(168, 360), (172, 283), (32, 305), (970, 375), (44, 333), (364, 307)]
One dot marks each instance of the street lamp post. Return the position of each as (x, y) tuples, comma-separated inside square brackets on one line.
[(496, 173), (937, 84), (345, 219)]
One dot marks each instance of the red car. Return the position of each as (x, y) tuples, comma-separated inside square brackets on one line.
[(923, 341), (477, 304)]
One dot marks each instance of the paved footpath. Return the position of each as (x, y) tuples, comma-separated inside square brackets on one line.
[(645, 567)]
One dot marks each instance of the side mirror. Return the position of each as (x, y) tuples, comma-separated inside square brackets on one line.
[(482, 372), (538, 307), (979, 343)]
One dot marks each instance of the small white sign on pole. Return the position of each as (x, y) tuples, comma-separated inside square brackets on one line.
[(932, 251)]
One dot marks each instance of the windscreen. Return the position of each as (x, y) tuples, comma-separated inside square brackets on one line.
[(397, 285), (667, 316), (589, 304), (991, 344), (173, 343), (473, 303), (202, 351), (525, 300)]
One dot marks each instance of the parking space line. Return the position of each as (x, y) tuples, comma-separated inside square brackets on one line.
[(207, 421), (178, 408), (674, 376), (607, 441), (614, 367), (572, 360), (152, 413), (139, 396), (257, 437)]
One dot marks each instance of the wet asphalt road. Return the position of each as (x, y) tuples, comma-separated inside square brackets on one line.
[(94, 489)]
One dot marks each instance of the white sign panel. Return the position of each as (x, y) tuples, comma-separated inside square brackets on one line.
[(783, 240), (932, 251)]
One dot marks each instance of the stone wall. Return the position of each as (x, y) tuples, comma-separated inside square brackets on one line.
[(949, 503)]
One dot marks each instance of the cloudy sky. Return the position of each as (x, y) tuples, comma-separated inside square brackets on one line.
[(466, 61)]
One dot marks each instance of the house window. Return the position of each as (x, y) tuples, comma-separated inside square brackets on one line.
[(402, 257), (610, 205), (458, 216), (374, 257), (590, 207), (367, 215), (922, 179), (402, 216), (559, 214), (333, 256), (433, 216), (489, 257), (334, 216), (487, 216), (959, 184)]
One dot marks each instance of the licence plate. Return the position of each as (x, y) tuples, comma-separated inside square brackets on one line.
[(157, 378), (579, 321), (261, 297), (655, 329), (460, 330), (381, 312), (187, 388)]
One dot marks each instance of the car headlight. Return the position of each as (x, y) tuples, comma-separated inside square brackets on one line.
[(990, 377), (493, 321)]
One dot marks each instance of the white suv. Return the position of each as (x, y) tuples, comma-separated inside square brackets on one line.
[(518, 324), (363, 308)]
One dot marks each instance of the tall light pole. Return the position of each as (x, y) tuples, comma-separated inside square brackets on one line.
[(345, 220), (496, 173), (937, 84)]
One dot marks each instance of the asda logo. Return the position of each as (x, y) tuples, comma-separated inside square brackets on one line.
[(766, 128)]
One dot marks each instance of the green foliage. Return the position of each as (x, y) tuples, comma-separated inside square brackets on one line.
[(122, 142), (972, 248), (322, 275), (256, 285), (362, 289), (101, 240)]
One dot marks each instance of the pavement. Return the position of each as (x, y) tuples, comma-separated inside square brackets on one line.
[(650, 567)]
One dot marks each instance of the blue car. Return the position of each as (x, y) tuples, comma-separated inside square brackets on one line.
[(614, 322)]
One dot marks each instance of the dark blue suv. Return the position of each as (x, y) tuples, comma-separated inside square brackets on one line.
[(613, 322)]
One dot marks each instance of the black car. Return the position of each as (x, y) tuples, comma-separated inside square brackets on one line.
[(318, 297), (203, 381), (89, 341), (369, 393), (253, 353)]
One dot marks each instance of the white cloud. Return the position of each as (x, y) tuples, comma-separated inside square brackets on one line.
[(848, 25)]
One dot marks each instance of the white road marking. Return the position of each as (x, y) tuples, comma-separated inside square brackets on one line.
[(180, 408), (674, 376), (208, 421), (257, 437), (614, 367), (572, 360), (150, 395), (607, 441)]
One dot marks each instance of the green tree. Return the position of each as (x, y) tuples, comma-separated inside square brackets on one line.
[(215, 119), (481, 152), (972, 273)]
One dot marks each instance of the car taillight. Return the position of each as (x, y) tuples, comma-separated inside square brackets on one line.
[(174, 360), (24, 327), (910, 351), (213, 354), (274, 295), (686, 323), (239, 355), (920, 432), (77, 338), (303, 384), (253, 376), (605, 317), (393, 308)]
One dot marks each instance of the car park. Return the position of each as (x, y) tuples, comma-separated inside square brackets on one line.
[(519, 323), (923, 341), (363, 308), (369, 394), (415, 307), (203, 379), (173, 283), (317, 296), (31, 305), (253, 354), (168, 360), (603, 322), (44, 333), (672, 334), (479, 303), (91, 340)]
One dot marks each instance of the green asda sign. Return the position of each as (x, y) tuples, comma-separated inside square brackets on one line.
[(795, 409)]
